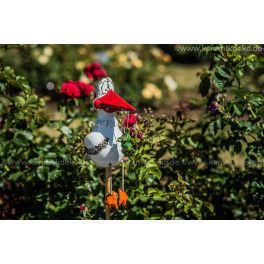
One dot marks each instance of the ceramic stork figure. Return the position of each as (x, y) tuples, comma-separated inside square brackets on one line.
[(102, 144)]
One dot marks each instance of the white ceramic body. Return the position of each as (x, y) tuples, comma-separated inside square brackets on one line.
[(106, 126)]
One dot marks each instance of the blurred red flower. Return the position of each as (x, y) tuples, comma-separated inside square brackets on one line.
[(94, 71), (130, 120), (85, 88), (70, 89), (76, 89), (83, 208)]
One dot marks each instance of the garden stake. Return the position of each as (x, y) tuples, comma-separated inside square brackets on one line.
[(103, 145), (108, 190), (123, 176)]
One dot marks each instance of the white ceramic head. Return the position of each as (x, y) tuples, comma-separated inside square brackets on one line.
[(103, 87)]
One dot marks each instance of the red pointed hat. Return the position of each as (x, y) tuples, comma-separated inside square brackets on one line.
[(112, 102)]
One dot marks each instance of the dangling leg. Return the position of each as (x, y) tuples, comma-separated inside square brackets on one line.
[(110, 196), (107, 191), (122, 196)]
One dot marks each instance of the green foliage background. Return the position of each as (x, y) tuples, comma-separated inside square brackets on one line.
[(177, 171)]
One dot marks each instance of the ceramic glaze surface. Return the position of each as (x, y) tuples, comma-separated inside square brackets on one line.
[(105, 134), (102, 144)]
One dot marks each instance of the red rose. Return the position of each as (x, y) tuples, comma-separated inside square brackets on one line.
[(94, 71), (96, 65), (70, 89), (89, 67), (89, 75), (99, 73), (103, 73), (83, 208), (85, 88), (130, 120)]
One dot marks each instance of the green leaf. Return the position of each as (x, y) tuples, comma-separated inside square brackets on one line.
[(190, 140), (54, 174), (19, 101), (219, 123), (131, 176), (238, 109), (218, 83), (66, 130), (15, 176), (128, 146), (2, 88), (155, 172), (152, 190), (32, 99), (196, 213), (41, 172), (251, 65), (19, 141), (158, 139), (204, 86), (22, 137), (42, 102), (255, 101), (19, 116), (212, 128), (224, 72), (204, 128), (209, 206), (28, 135), (239, 73), (170, 214), (238, 147)]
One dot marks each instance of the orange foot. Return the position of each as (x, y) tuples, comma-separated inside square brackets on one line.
[(111, 200), (122, 197)]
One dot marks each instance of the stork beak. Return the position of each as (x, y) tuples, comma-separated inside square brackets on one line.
[(112, 102)]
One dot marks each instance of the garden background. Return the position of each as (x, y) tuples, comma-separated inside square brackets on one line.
[(200, 109)]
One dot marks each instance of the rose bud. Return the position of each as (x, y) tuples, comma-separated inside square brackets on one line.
[(130, 120), (83, 208)]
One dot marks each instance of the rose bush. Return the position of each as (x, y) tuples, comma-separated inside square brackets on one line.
[(177, 168)]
